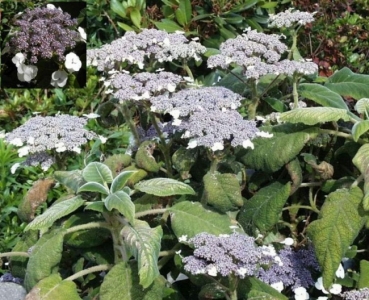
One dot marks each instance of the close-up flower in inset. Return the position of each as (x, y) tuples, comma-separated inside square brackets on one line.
[(72, 62), (26, 73), (59, 78)]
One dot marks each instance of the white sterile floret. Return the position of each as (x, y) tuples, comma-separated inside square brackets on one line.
[(192, 144), (102, 139), (340, 273), (72, 62), (60, 147), (23, 151), (212, 270), (217, 146), (16, 142), (335, 289), (182, 238), (242, 272), (176, 122), (248, 144), (301, 293), (14, 167), (171, 87), (175, 113), (278, 286), (31, 140), (83, 34), (288, 241), (50, 6), (322, 298), (264, 134), (18, 59), (59, 78), (26, 73), (319, 285)]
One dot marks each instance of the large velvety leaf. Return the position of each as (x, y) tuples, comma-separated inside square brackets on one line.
[(340, 221), (347, 83), (321, 95), (122, 283), (164, 187), (252, 287), (54, 288), (144, 242), (263, 210), (364, 274), (44, 258), (361, 161), (359, 129), (191, 218), (71, 179), (97, 172), (55, 212), (222, 191), (120, 181), (123, 203), (273, 153), (94, 187), (314, 115)]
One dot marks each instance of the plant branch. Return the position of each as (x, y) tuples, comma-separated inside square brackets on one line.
[(165, 259), (150, 212), (88, 226), (93, 269), (10, 254)]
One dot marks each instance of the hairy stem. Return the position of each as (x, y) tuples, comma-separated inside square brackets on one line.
[(93, 269), (150, 212), (89, 226), (166, 258), (10, 254), (294, 92), (314, 209), (255, 99)]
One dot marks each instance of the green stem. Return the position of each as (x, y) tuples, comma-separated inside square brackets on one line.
[(294, 44), (89, 226), (93, 269), (10, 254), (357, 181), (294, 92), (188, 70), (165, 148), (309, 184), (254, 101), (233, 283), (165, 259), (132, 126), (302, 207), (150, 212), (167, 253)]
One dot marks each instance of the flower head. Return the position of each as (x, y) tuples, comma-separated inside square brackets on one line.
[(26, 73), (18, 59), (59, 78), (290, 18), (356, 294)]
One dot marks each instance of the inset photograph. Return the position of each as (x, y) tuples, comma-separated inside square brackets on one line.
[(44, 45)]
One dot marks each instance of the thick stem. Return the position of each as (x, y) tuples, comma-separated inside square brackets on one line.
[(254, 101), (314, 209), (132, 126), (233, 283), (188, 70), (150, 212), (10, 254), (294, 92), (165, 148), (89, 226), (166, 258), (93, 269)]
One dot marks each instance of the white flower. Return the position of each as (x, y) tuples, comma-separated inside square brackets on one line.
[(23, 151), (335, 289), (102, 139), (14, 167), (248, 144), (212, 271), (16, 142), (278, 286), (288, 241), (185, 135), (319, 285), (340, 273), (192, 144), (179, 277), (26, 73), (322, 298), (182, 238), (72, 62), (18, 59), (301, 293), (31, 140), (171, 87), (60, 147), (217, 146), (77, 150), (82, 33), (2, 134), (264, 134), (278, 260), (176, 122), (174, 113), (59, 78), (268, 250), (242, 271), (50, 6)]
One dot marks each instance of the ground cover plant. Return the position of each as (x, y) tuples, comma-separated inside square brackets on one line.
[(189, 170)]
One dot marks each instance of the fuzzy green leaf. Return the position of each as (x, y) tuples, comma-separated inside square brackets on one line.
[(122, 283), (94, 187), (97, 172), (191, 218), (314, 115), (359, 129), (164, 187), (222, 191), (252, 287), (71, 179), (347, 83), (117, 7), (45, 258), (273, 153), (321, 95), (54, 288), (361, 161), (120, 181), (144, 242), (340, 221), (123, 203), (364, 274), (264, 209), (96, 206), (168, 26), (55, 212)]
